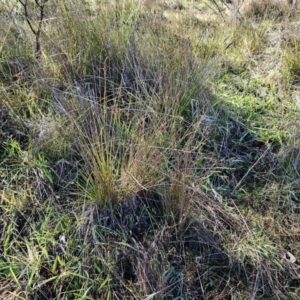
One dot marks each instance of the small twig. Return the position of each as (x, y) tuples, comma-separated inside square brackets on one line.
[(218, 8), (160, 291), (24, 4), (251, 168), (36, 32)]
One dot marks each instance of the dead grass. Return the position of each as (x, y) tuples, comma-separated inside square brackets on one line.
[(270, 9)]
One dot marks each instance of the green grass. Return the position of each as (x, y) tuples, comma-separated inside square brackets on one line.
[(149, 151)]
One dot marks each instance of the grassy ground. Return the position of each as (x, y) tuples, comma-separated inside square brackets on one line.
[(149, 150)]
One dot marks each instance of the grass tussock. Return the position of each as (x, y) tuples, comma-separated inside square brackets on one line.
[(149, 150)]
